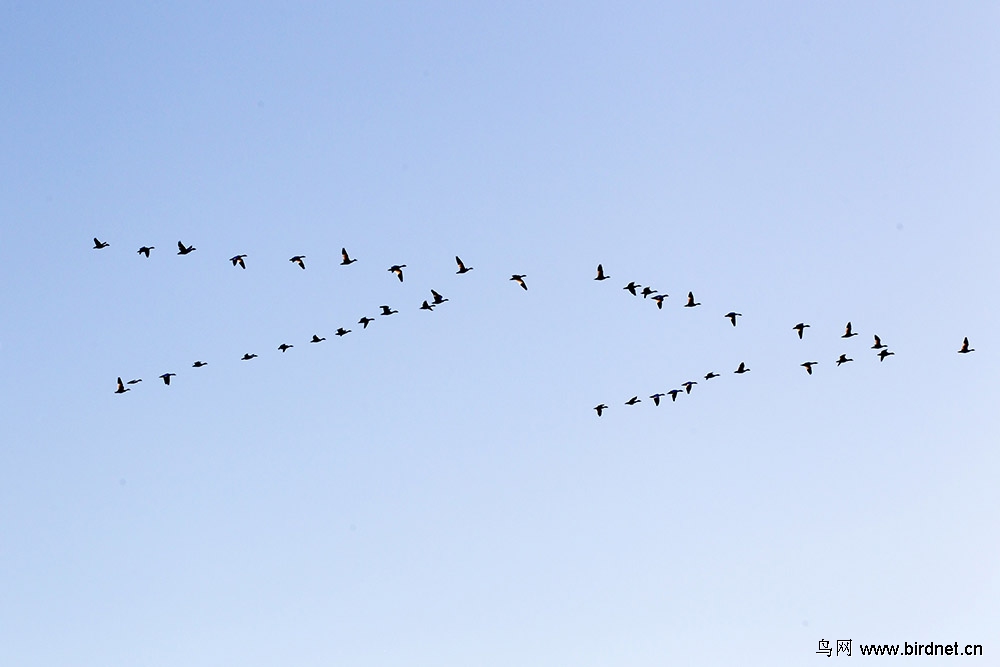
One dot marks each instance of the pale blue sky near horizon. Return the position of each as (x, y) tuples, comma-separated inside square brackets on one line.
[(436, 489)]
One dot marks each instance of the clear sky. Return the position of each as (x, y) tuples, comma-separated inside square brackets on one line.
[(437, 489)]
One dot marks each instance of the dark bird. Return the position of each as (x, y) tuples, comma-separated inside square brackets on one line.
[(659, 300), (800, 327), (398, 270), (184, 249), (687, 385), (600, 409), (317, 339), (285, 346), (878, 344), (462, 268), (519, 279), (238, 260), (386, 311), (709, 376), (632, 287), (732, 315), (673, 393), (656, 398), (438, 299), (166, 378), (600, 273), (298, 260), (426, 306), (144, 250), (691, 302), (100, 244), (365, 321), (135, 381), (121, 387), (345, 258), (843, 359), (341, 331), (633, 401), (809, 366), (884, 353), (199, 364), (965, 346), (646, 291), (847, 331), (742, 369), (248, 357)]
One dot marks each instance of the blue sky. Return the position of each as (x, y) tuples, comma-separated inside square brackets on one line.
[(436, 489)]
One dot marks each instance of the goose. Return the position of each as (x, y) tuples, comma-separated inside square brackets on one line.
[(646, 291), (732, 315), (298, 260), (121, 387), (144, 250), (248, 357), (632, 287), (659, 300), (600, 273), (199, 364), (800, 327), (341, 331), (317, 339), (709, 376), (633, 401), (519, 279), (847, 331), (742, 369), (878, 344), (809, 366), (345, 258), (238, 260), (438, 299), (884, 353), (426, 306), (600, 409), (184, 249), (843, 359), (687, 385), (285, 347), (691, 302), (673, 393), (135, 381), (965, 346), (386, 311), (365, 321), (398, 270), (462, 268), (100, 244), (656, 398), (166, 378)]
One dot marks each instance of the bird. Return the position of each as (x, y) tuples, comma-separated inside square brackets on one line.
[(691, 302), (646, 291), (732, 315), (135, 381), (656, 398), (632, 287), (426, 306), (742, 369), (248, 357), (809, 366), (184, 249), (121, 387), (298, 260), (398, 270), (166, 378), (687, 385), (659, 300), (345, 258), (878, 344), (965, 346), (633, 401), (600, 409), (600, 273), (519, 279), (144, 250), (884, 353), (238, 259), (843, 359), (438, 299), (709, 376), (365, 321), (317, 339), (673, 393), (100, 244), (199, 364), (462, 268), (800, 327), (847, 331), (386, 311), (341, 331), (285, 347)]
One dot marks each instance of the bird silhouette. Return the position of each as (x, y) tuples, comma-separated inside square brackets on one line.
[(100, 244), (965, 346), (673, 393), (365, 321), (878, 344), (238, 260), (659, 300), (843, 359), (656, 398), (144, 250), (438, 299), (600, 409), (687, 385), (284, 347), (600, 273), (386, 311), (135, 381), (317, 339), (884, 353), (632, 287), (742, 369), (121, 387), (800, 327), (732, 315), (809, 366), (691, 302), (847, 331), (345, 258), (248, 357), (646, 291), (298, 260), (462, 268), (166, 378), (633, 401), (341, 331), (398, 270), (184, 249), (709, 376), (426, 306), (199, 364), (519, 279)]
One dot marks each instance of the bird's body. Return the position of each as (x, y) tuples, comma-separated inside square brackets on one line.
[(632, 287), (600, 273), (656, 398), (121, 387), (284, 347), (878, 343), (600, 409), (633, 400), (426, 306), (800, 327), (345, 259), (144, 250), (732, 315), (673, 393), (884, 353), (519, 279), (100, 244), (965, 346), (809, 366), (317, 339), (387, 311), (462, 268), (659, 300), (691, 302), (843, 359), (298, 259), (365, 321), (238, 261), (199, 364), (166, 378), (398, 270), (848, 332), (438, 299), (184, 249), (687, 385), (742, 368), (135, 381), (647, 291), (248, 357), (709, 376), (341, 331)]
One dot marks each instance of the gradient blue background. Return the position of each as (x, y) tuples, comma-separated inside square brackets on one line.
[(437, 490)]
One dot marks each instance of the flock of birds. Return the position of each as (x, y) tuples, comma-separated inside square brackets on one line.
[(437, 299)]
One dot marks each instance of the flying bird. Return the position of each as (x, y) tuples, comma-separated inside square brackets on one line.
[(519, 279), (285, 347), (121, 387), (633, 401), (426, 306), (199, 364), (884, 353), (462, 268), (135, 381), (809, 366), (800, 327), (238, 260), (691, 302), (687, 385), (632, 287), (600, 273), (166, 378), (386, 311), (298, 260), (659, 300), (742, 369), (317, 339), (398, 270), (345, 258), (673, 393), (438, 299), (341, 331), (144, 250), (878, 344), (600, 409), (843, 359), (656, 398), (965, 346), (847, 331), (100, 244), (365, 321), (248, 357), (709, 376), (732, 315), (184, 249)]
